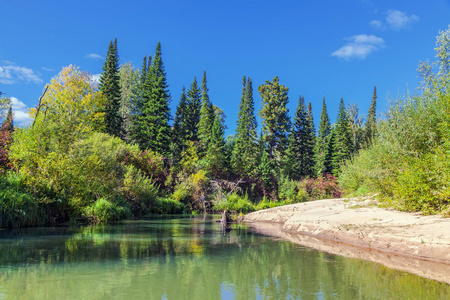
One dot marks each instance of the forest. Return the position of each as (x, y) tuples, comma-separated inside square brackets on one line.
[(106, 151)]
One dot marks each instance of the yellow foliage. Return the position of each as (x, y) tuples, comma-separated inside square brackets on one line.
[(199, 179), (72, 103)]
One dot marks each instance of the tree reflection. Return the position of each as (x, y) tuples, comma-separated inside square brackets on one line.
[(188, 259)]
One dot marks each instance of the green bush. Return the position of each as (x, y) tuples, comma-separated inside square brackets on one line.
[(104, 210), (290, 191), (264, 204), (18, 207), (168, 206), (235, 203), (141, 192)]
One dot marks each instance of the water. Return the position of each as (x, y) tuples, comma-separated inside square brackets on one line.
[(188, 258)]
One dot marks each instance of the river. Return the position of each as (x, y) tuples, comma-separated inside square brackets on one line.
[(188, 258)]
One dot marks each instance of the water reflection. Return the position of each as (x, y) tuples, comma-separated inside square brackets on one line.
[(187, 258)]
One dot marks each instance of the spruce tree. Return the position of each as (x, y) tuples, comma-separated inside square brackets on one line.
[(275, 118), (180, 133), (8, 123), (244, 157), (356, 126), (370, 127), (323, 149), (310, 144), (136, 130), (290, 166), (155, 114), (299, 161), (206, 117), (193, 110), (110, 87), (216, 149), (343, 144)]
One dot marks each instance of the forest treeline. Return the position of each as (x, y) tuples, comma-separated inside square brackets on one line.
[(112, 150)]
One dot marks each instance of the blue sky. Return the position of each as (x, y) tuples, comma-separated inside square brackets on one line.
[(318, 48)]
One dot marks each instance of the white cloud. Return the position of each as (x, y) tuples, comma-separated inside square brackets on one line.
[(359, 46), (10, 74), (395, 20), (376, 24), (48, 69), (398, 20), (96, 78), (20, 112), (94, 56)]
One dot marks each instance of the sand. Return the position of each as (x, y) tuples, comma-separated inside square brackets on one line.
[(358, 228)]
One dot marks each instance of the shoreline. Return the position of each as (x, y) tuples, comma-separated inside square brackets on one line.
[(360, 229)]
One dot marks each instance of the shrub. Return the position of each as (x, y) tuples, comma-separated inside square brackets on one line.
[(104, 210), (18, 207), (289, 191), (168, 206), (235, 203), (320, 188), (140, 191)]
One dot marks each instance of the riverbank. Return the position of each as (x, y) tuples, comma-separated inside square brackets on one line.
[(359, 228)]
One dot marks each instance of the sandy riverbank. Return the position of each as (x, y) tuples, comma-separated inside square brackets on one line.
[(359, 229)]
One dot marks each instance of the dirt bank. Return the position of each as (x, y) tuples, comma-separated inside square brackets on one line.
[(358, 228)]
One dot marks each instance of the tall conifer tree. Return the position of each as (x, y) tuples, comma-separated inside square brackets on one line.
[(310, 143), (216, 149), (323, 149), (109, 85), (180, 133), (300, 155), (370, 128), (206, 121), (343, 143), (244, 157), (137, 122), (155, 114), (275, 118), (193, 110)]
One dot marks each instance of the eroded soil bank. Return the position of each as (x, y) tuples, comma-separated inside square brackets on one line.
[(359, 229)]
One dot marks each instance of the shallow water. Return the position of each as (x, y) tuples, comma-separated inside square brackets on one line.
[(188, 258)]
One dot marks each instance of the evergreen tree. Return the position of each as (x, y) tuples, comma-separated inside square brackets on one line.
[(310, 144), (155, 116), (370, 128), (323, 149), (206, 117), (216, 149), (180, 133), (193, 110), (356, 126), (265, 172), (290, 166), (275, 118), (244, 157), (8, 123), (299, 161), (343, 144), (110, 87)]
